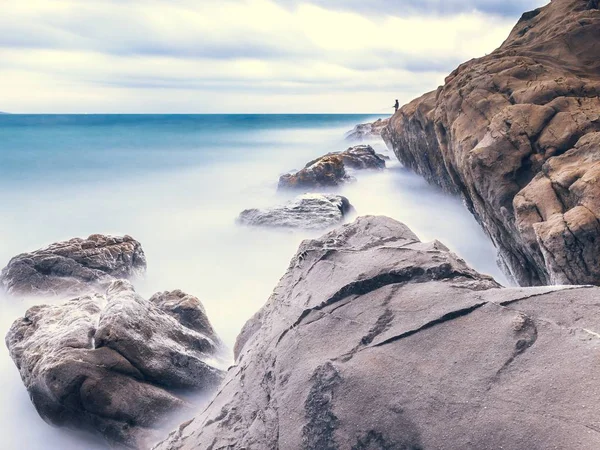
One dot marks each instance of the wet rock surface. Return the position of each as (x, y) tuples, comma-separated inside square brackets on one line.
[(373, 339), (327, 171), (117, 364), (308, 211), (516, 133), (74, 267), (330, 170), (366, 131)]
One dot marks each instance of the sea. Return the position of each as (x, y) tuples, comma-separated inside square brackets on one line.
[(177, 183)]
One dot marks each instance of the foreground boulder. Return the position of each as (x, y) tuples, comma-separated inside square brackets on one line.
[(308, 211), (375, 340), (366, 131), (74, 267), (330, 170), (117, 364), (516, 133)]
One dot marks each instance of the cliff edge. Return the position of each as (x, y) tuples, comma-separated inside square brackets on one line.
[(517, 135)]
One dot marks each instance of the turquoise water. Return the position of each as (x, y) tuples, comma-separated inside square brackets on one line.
[(75, 146), (177, 183)]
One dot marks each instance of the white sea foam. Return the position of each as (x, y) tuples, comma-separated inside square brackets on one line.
[(185, 220)]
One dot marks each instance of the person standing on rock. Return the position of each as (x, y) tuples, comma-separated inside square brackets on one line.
[(396, 106)]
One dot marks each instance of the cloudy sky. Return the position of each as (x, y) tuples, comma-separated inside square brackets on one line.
[(238, 55)]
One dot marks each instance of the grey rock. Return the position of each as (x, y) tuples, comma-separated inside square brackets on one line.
[(374, 340), (516, 134), (116, 364), (187, 310), (308, 211), (74, 267), (366, 131)]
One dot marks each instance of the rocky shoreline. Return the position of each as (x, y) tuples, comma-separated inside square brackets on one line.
[(372, 339), (101, 358)]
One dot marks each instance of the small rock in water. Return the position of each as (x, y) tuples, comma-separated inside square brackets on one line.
[(330, 170), (74, 267), (309, 211), (367, 130), (116, 364), (327, 171)]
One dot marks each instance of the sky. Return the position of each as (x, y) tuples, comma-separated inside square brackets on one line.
[(238, 56)]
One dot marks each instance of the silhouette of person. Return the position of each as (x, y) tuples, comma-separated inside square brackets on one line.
[(396, 106)]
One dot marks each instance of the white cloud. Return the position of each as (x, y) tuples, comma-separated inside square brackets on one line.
[(226, 56)]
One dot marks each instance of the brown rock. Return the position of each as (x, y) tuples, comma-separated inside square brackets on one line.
[(502, 123), (330, 170)]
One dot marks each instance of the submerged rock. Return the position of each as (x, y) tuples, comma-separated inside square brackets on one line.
[(309, 211), (330, 170), (116, 364), (516, 133), (367, 130), (74, 267), (373, 339)]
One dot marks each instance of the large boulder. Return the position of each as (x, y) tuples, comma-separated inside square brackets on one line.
[(375, 340), (74, 267), (308, 211), (367, 131), (330, 170), (516, 133), (117, 364)]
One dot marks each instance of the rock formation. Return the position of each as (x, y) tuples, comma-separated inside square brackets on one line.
[(375, 340), (308, 211), (330, 170), (116, 364), (517, 133), (365, 131), (74, 267)]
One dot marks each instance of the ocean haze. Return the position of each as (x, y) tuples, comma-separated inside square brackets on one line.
[(177, 183)]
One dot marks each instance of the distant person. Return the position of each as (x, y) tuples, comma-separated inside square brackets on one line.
[(396, 106)]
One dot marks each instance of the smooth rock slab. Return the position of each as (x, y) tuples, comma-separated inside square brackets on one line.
[(117, 364), (308, 211), (74, 267), (375, 340)]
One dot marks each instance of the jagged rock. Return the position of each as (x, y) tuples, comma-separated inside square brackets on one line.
[(116, 364), (362, 157), (309, 211), (506, 132), (187, 310), (74, 267), (330, 170), (367, 130), (373, 339)]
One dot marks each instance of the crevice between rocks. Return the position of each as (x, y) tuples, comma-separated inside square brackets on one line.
[(363, 287)]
